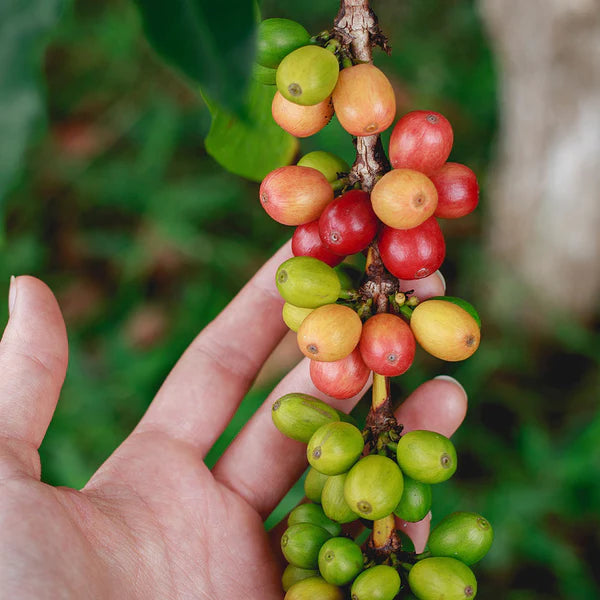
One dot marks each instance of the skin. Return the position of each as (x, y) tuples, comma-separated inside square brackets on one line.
[(153, 521)]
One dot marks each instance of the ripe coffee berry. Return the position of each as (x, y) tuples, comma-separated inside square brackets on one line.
[(421, 140), (404, 198), (342, 378), (301, 121), (413, 253), (348, 224), (364, 100), (387, 345), (329, 333), (458, 191), (306, 241), (295, 195)]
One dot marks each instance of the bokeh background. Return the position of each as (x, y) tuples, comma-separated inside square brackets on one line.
[(144, 239)]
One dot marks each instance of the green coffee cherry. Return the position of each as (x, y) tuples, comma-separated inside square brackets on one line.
[(377, 583), (426, 456), (307, 282), (415, 502), (277, 38), (314, 588), (299, 415), (308, 75), (335, 447), (292, 575), (462, 535), (301, 543), (437, 578), (329, 164), (313, 513), (263, 75), (340, 560), (313, 484), (333, 501), (374, 487), (462, 303), (294, 315)]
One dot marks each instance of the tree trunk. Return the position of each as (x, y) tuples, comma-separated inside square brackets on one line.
[(544, 209)]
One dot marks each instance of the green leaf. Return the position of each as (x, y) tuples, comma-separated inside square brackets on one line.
[(212, 42), (23, 30), (255, 145)]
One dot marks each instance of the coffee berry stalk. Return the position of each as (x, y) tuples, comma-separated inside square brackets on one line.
[(350, 327)]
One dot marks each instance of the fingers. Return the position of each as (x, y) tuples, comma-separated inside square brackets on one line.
[(33, 361), (261, 464), (418, 532), (204, 389), (427, 287), (438, 405)]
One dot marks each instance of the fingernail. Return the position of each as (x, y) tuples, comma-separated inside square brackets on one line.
[(442, 278), (452, 380), (12, 294)]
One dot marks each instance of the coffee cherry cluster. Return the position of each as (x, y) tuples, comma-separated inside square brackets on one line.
[(351, 326), (344, 485)]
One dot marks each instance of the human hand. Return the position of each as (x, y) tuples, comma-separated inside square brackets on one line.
[(154, 521)]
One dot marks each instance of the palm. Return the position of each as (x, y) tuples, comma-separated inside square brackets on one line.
[(154, 522)]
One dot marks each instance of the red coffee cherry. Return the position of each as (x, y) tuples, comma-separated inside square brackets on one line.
[(342, 378), (348, 224), (413, 253), (404, 198), (364, 100), (458, 191), (295, 195), (387, 345), (306, 241), (421, 140), (301, 121)]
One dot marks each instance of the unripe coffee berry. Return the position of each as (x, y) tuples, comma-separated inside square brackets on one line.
[(313, 588), (462, 535), (307, 75), (334, 448), (313, 513), (426, 456), (298, 416), (340, 560), (447, 578), (307, 282), (277, 38), (415, 502), (334, 502), (374, 487), (301, 543), (380, 582)]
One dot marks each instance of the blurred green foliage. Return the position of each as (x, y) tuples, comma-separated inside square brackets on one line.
[(144, 239)]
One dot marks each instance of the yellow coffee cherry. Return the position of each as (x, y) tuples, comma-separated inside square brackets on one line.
[(445, 330), (294, 315), (329, 333)]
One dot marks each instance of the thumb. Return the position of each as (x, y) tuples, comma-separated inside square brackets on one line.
[(33, 362)]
